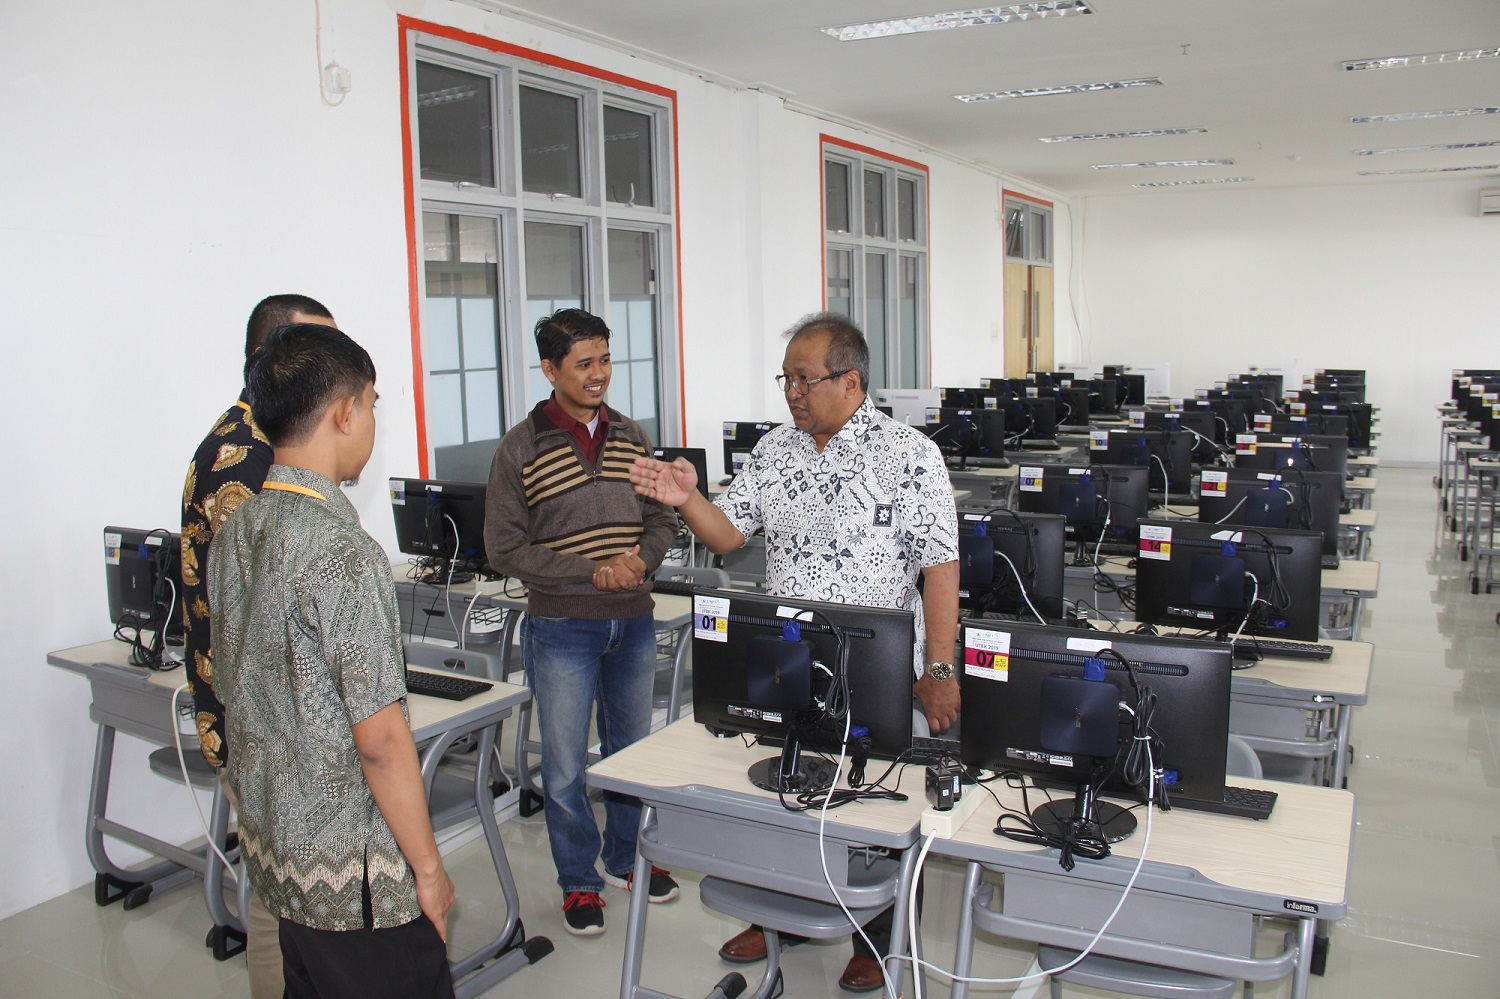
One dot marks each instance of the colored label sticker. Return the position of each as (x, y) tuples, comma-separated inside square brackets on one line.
[(987, 654), (1156, 542), (1245, 443), (710, 618), (1215, 482), (1098, 440), (398, 492), (1138, 418), (1031, 479)]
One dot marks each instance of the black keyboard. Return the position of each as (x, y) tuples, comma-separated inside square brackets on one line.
[(1246, 802), (444, 685), (1277, 649), (1040, 446), (982, 461), (673, 587)]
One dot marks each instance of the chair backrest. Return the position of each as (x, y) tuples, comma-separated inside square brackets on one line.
[(699, 575), (1241, 760)]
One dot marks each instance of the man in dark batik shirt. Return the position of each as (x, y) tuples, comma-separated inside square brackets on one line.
[(228, 467)]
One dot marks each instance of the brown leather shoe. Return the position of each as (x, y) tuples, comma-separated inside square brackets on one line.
[(861, 974), (745, 948)]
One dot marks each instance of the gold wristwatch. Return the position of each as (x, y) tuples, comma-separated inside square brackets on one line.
[(940, 671)]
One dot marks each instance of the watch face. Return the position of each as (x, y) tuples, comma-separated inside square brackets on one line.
[(940, 671)]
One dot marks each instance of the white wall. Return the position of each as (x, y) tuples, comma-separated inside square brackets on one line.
[(1396, 278), (166, 165)]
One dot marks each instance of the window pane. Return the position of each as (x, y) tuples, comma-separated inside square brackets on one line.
[(906, 209), (839, 293), (1015, 231), (549, 143), (836, 196), (482, 403), (906, 318), (554, 280), (477, 319), (455, 131), (460, 338), (1041, 231), (445, 410), (633, 311), (627, 157), (875, 318), (874, 203)]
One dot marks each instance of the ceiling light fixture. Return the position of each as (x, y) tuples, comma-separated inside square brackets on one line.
[(1438, 148), (1430, 59), (1162, 163), (1462, 169), (974, 17), (1072, 88), (1365, 119), (1201, 180), (1140, 133)]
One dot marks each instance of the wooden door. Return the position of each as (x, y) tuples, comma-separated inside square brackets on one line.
[(1028, 319)]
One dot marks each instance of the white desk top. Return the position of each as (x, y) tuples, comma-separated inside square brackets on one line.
[(1361, 483), (989, 473), (1301, 852), (683, 764), (1362, 519)]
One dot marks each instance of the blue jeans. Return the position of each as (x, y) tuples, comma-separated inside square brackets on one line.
[(571, 663)]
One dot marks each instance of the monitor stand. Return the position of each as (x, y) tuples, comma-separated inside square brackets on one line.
[(793, 772), (1057, 818)]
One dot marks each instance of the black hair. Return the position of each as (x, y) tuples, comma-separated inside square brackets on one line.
[(556, 334), (298, 372), (847, 349), (273, 311)]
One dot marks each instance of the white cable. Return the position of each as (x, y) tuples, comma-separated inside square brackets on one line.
[(318, 46), (1021, 585), (1232, 509), (467, 612), (917, 963), (448, 578), (1254, 599), (1099, 545), (208, 836)]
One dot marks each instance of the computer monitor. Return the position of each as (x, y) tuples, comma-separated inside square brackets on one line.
[(762, 664), (143, 579), (969, 433), (1072, 404), (958, 397), (1217, 578), (1289, 499), (1231, 416), (1101, 503), (1033, 418), (1166, 454), (696, 456), (909, 406), (1315, 452), (740, 439), (1007, 668), (1317, 420), (443, 523), (1198, 424), (1011, 564), (1104, 399)]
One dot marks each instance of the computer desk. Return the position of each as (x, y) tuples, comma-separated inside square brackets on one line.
[(672, 614), (701, 812), (1359, 490), (1359, 523), (141, 703), (1205, 881), (1343, 591)]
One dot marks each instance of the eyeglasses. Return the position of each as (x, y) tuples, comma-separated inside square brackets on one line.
[(801, 386)]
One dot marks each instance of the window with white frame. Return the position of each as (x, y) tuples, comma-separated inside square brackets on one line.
[(875, 257), (537, 188), (1028, 231)]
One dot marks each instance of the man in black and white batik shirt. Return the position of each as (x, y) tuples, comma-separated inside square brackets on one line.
[(855, 507)]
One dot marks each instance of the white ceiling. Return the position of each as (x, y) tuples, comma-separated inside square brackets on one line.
[(1262, 76)]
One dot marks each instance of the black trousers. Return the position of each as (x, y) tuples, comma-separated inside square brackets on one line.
[(408, 961)]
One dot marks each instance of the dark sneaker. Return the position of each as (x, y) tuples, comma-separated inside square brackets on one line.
[(583, 913), (660, 889)]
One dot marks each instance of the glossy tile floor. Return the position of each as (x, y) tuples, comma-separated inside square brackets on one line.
[(1424, 917)]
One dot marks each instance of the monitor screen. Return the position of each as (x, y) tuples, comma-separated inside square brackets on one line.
[(1291, 499), (143, 579), (443, 522), (1012, 564), (696, 456), (748, 679), (1005, 665), (1226, 579), (739, 440), (1099, 502), (1166, 454)]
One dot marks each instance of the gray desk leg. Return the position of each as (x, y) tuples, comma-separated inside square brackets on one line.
[(1355, 613), (635, 926), (903, 918), (531, 795), (227, 937), (963, 947), (135, 886), (1306, 931), (1340, 763), (679, 666)]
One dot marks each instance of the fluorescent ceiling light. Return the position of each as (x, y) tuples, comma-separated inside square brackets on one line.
[(972, 18), (1071, 88), (1365, 119), (1439, 147), (1162, 163), (1392, 173), (1201, 180), (1430, 59), (1139, 133)]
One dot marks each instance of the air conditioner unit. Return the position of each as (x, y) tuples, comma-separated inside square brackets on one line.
[(1489, 202)]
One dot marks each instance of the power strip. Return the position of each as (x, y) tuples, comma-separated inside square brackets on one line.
[(946, 824)]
